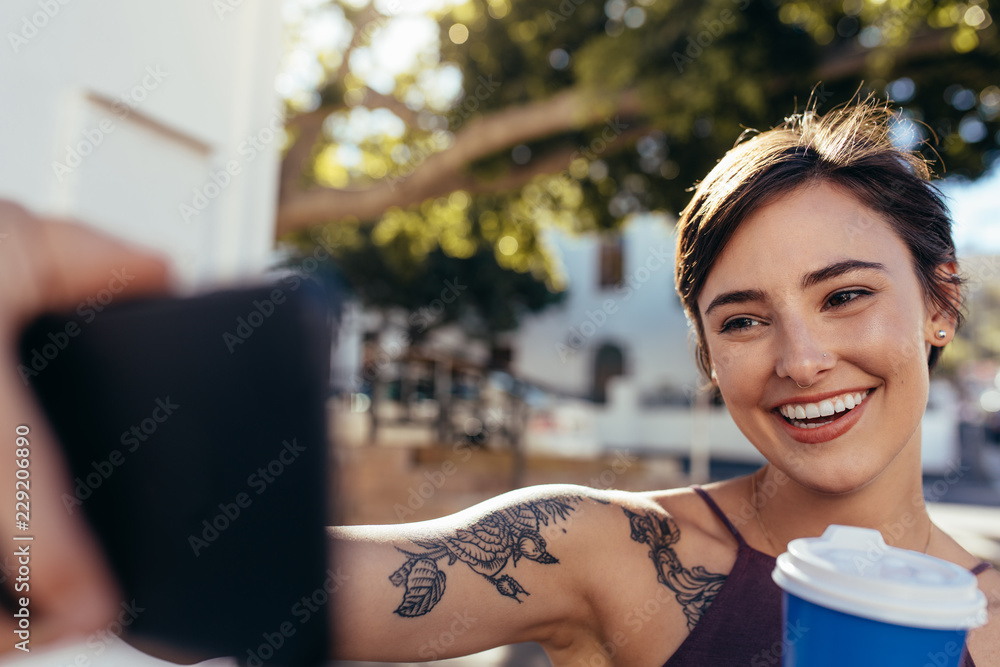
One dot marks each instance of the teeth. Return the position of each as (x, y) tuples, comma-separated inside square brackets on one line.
[(824, 408), (814, 425)]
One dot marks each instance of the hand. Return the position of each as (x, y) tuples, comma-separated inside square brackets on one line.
[(52, 265)]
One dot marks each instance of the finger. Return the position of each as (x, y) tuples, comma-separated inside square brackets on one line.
[(59, 572), (55, 265), (84, 262)]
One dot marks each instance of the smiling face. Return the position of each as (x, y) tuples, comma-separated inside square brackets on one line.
[(816, 290)]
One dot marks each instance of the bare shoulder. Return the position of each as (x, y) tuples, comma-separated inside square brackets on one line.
[(984, 643), (696, 518), (989, 583), (654, 573)]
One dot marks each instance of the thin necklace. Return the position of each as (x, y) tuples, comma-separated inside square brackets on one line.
[(756, 512)]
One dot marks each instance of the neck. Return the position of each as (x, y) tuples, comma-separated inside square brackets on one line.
[(892, 503)]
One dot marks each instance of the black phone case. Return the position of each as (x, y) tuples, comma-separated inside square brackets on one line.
[(195, 432)]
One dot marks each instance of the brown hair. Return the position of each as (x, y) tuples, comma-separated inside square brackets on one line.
[(849, 146)]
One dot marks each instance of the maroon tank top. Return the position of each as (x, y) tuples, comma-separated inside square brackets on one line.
[(743, 623)]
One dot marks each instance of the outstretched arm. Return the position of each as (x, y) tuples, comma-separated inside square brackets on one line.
[(509, 570)]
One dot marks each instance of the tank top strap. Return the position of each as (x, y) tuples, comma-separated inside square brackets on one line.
[(719, 513), (982, 567)]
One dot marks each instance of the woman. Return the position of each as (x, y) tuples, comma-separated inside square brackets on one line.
[(816, 264)]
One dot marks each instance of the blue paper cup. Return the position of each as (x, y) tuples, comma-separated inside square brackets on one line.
[(850, 599)]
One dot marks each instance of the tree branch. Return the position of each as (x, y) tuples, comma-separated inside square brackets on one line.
[(439, 173), (376, 100), (309, 126)]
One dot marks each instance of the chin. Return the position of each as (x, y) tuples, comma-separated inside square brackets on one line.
[(844, 464), (833, 476), (836, 485)]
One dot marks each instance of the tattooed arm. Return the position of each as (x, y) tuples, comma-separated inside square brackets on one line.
[(505, 571), (598, 577), (693, 588)]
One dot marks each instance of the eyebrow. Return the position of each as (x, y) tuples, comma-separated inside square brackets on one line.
[(813, 278), (838, 269)]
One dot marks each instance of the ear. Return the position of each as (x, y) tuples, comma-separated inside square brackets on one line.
[(937, 320)]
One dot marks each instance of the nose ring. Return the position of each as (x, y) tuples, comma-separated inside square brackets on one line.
[(810, 384)]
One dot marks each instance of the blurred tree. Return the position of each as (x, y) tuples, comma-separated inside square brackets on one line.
[(520, 115)]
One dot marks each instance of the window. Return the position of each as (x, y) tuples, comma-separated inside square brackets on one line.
[(611, 261), (608, 362)]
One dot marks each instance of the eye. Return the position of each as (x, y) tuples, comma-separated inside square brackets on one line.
[(741, 323), (841, 298)]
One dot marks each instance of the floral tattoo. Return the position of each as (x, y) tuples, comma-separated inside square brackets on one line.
[(486, 546), (694, 589)]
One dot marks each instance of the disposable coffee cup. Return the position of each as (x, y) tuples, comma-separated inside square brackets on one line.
[(850, 599)]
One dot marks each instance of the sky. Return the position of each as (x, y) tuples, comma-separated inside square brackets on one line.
[(975, 209)]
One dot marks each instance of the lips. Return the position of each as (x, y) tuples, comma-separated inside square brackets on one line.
[(821, 428)]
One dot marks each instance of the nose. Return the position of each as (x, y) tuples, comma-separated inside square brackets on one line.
[(802, 357)]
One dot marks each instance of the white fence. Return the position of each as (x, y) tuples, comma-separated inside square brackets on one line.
[(580, 428)]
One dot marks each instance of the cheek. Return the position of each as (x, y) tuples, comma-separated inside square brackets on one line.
[(733, 357), (891, 345), (740, 371)]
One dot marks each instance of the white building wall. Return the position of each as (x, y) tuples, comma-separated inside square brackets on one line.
[(116, 112), (644, 317)]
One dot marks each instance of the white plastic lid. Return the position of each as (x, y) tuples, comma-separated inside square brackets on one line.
[(854, 571)]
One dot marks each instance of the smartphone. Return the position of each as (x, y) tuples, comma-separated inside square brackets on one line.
[(196, 436)]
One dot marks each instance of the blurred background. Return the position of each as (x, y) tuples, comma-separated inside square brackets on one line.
[(492, 186)]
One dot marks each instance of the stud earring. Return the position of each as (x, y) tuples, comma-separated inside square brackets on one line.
[(942, 333)]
